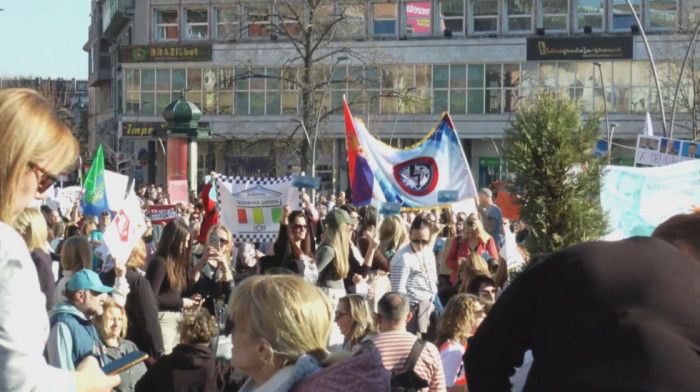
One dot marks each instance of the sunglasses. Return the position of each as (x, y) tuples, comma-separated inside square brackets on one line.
[(45, 180), (419, 242), (299, 227)]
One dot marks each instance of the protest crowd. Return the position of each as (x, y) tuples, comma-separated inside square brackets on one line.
[(341, 300)]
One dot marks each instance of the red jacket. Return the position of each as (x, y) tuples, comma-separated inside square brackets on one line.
[(211, 213), (460, 248)]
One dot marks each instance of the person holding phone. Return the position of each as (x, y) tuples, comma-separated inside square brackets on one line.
[(37, 147), (167, 274), (112, 327)]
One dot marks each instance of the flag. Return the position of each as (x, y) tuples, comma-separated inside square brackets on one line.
[(94, 197), (412, 176), (648, 129)]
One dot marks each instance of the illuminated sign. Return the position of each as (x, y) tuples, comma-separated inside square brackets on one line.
[(580, 48), (153, 54)]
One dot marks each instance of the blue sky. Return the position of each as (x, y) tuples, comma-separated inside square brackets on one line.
[(44, 38)]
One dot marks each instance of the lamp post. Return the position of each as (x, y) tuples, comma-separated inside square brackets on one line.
[(653, 66), (605, 107), (680, 77)]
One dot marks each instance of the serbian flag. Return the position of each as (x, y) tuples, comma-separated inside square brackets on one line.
[(431, 173)]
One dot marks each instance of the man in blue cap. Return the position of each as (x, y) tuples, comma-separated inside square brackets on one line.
[(73, 336)]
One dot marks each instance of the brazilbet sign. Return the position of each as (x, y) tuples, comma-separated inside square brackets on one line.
[(155, 54)]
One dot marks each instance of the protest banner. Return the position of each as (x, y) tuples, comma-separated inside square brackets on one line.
[(252, 207), (63, 199), (116, 189), (661, 151), (125, 230), (637, 199), (162, 214)]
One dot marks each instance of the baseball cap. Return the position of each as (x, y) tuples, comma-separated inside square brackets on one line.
[(338, 216), (87, 280)]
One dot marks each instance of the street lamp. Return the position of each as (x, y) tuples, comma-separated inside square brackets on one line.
[(605, 107)]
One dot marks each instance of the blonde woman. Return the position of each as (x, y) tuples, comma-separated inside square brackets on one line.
[(462, 316), (473, 266), (37, 146), (355, 320), (112, 327), (474, 239), (31, 225), (282, 324), (392, 236), (333, 265)]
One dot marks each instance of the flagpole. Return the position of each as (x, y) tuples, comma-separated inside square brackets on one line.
[(680, 76)]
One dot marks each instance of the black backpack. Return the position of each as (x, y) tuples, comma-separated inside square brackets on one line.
[(407, 380)]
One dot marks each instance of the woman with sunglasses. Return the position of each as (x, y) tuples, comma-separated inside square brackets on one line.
[(474, 239), (414, 272), (295, 246), (37, 146)]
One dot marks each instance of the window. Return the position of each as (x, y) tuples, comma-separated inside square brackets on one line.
[(383, 19), (641, 81), (196, 24), (663, 14), (290, 21), (554, 15), (148, 88), (452, 16), (227, 23), (622, 16), (290, 95), (225, 91), (353, 24), (519, 15), (166, 25), (258, 22), (484, 16), (257, 91), (418, 15), (475, 90), (589, 13)]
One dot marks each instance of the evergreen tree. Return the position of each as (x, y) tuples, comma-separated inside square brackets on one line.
[(556, 177)]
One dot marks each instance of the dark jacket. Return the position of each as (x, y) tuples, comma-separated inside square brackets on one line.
[(189, 368), (601, 316), (211, 289), (43, 262), (142, 312), (284, 256), (133, 374), (167, 298)]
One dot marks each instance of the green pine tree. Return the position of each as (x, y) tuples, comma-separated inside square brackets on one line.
[(550, 151)]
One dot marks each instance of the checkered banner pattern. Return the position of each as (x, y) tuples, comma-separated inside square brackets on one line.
[(251, 207)]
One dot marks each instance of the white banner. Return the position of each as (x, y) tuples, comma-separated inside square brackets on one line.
[(125, 230), (637, 199), (64, 198), (252, 207), (661, 151)]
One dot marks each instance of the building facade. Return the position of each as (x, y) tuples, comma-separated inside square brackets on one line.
[(400, 64)]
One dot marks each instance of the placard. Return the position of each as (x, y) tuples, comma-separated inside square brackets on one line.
[(163, 213)]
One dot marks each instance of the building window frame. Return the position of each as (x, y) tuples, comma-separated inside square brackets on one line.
[(407, 6), (188, 27), (475, 18), (374, 20), (441, 19), (265, 20), (542, 15), (651, 13), (576, 15), (508, 17), (623, 4), (165, 26), (220, 23)]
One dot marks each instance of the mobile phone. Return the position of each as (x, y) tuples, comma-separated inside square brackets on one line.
[(214, 241), (124, 363)]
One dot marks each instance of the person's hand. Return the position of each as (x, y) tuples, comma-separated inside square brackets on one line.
[(90, 378), (357, 279), (286, 211), (119, 268), (373, 243), (259, 254), (461, 260), (305, 199), (212, 175)]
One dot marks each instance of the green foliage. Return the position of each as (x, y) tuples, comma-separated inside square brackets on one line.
[(557, 178)]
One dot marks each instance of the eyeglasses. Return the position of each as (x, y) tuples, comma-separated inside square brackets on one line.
[(340, 314), (45, 180), (419, 242), (223, 241), (299, 227)]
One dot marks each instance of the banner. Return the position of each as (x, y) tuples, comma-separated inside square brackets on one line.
[(251, 207), (661, 151), (412, 176), (64, 199), (162, 214), (637, 199), (94, 199), (116, 189), (125, 230)]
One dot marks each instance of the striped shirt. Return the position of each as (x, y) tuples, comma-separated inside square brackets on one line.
[(395, 346), (414, 274)]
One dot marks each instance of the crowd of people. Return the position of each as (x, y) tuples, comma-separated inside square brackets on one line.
[(341, 301)]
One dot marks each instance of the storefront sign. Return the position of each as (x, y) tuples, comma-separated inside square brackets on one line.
[(580, 48), (154, 54), (145, 129)]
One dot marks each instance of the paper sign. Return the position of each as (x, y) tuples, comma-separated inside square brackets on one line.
[(115, 189), (390, 208), (447, 196), (162, 214), (64, 199), (307, 182), (509, 252), (125, 230), (178, 191)]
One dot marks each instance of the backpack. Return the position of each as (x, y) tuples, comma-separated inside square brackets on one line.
[(407, 380)]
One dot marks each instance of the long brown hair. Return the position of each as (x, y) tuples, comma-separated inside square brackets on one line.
[(30, 132), (305, 248), (170, 248)]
